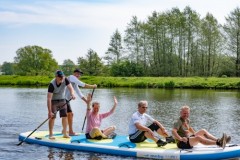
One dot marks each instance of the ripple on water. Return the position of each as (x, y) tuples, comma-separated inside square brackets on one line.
[(212, 110)]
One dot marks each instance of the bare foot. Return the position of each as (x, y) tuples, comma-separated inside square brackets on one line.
[(66, 136), (52, 137), (73, 134)]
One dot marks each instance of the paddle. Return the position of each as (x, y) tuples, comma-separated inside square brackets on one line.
[(43, 122), (86, 115)]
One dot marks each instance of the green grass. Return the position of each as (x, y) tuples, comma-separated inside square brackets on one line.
[(134, 82)]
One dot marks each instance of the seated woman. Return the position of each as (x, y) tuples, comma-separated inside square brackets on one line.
[(94, 119)]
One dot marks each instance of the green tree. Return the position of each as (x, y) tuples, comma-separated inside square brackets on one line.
[(191, 27), (114, 52), (68, 66), (137, 44), (92, 64), (34, 60), (173, 18), (153, 34), (232, 30), (179, 43), (211, 42), (226, 66), (126, 68), (7, 68), (133, 40)]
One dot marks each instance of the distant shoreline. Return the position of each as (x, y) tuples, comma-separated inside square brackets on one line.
[(130, 82)]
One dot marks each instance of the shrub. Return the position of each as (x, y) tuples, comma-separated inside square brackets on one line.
[(169, 84), (224, 76)]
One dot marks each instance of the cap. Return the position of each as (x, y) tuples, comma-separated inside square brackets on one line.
[(59, 73), (78, 70)]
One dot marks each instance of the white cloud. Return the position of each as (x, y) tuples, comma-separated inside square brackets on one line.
[(104, 15), (97, 19), (72, 15)]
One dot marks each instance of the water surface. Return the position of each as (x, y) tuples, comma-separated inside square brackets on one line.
[(23, 109)]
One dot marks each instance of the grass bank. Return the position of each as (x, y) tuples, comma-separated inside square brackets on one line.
[(134, 82)]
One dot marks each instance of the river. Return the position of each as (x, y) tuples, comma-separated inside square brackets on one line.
[(23, 109)]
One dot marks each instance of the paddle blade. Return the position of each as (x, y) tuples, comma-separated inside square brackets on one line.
[(20, 143)]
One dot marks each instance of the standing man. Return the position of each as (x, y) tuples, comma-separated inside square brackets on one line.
[(76, 83), (56, 100), (139, 131)]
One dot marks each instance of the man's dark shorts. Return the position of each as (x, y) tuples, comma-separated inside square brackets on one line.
[(139, 135), (69, 108), (59, 105), (184, 145)]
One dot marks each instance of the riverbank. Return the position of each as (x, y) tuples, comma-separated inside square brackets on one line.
[(133, 82)]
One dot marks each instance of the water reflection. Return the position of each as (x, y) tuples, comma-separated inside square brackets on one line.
[(94, 157), (65, 155), (69, 155)]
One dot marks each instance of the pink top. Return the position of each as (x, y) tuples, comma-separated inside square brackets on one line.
[(95, 120)]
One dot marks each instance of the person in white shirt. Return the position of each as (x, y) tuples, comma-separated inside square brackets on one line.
[(139, 131), (76, 83)]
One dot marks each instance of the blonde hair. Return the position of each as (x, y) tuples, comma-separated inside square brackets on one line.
[(185, 107), (142, 103)]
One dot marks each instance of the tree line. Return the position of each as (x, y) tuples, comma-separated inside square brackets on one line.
[(171, 43)]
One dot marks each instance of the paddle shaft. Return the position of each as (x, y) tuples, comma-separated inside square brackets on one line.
[(43, 123), (86, 115)]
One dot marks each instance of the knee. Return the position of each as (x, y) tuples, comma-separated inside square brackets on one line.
[(203, 131), (198, 138), (95, 132), (70, 114), (95, 129), (113, 128), (156, 125)]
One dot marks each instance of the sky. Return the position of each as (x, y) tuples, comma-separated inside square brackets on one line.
[(69, 28)]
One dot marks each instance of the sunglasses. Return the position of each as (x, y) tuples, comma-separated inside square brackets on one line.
[(144, 107)]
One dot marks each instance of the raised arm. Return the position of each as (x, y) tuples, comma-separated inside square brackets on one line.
[(104, 115), (88, 101), (115, 104)]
